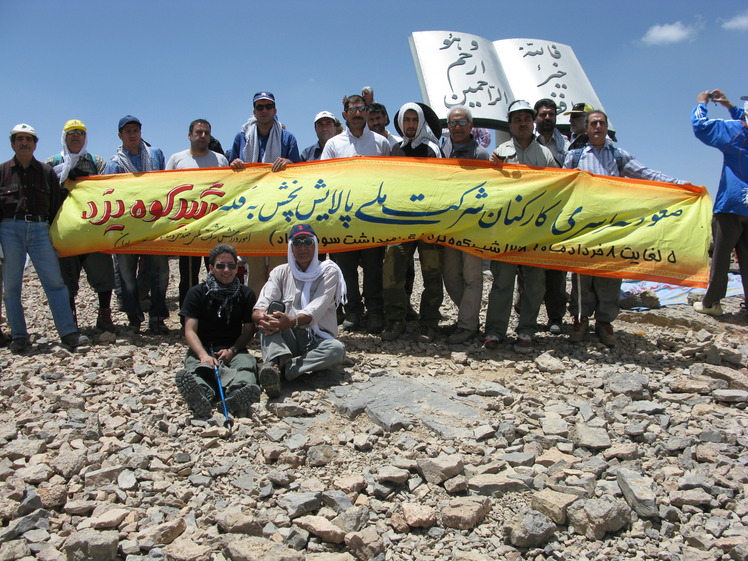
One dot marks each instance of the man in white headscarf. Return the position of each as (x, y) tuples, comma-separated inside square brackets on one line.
[(296, 314), (263, 139), (419, 127), (73, 162)]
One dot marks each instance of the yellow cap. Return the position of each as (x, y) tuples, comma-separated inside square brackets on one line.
[(74, 124)]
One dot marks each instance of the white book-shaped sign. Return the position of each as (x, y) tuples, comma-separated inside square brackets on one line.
[(463, 69)]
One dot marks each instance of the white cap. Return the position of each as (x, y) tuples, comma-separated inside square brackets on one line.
[(23, 128), (323, 115), (519, 105)]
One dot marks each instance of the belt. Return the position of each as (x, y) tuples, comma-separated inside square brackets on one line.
[(31, 218)]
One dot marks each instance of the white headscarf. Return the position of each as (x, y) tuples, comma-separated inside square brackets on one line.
[(423, 133), (69, 161), (252, 147), (126, 163), (315, 269)]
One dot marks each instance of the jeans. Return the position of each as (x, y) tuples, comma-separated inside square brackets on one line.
[(19, 238), (157, 267)]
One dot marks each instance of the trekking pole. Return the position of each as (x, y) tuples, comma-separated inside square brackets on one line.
[(228, 423)]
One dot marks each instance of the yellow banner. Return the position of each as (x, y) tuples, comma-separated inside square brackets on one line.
[(553, 218)]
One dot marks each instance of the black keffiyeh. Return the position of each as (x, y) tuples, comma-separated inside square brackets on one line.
[(224, 294)]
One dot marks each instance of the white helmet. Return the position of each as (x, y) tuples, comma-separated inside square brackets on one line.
[(23, 128)]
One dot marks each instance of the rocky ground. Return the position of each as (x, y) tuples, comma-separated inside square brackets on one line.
[(412, 451)]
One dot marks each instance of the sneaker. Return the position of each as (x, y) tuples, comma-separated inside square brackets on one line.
[(604, 332), (270, 379), (352, 322), (393, 331), (19, 345), (73, 340), (579, 329), (555, 326), (104, 320), (524, 342), (374, 323), (239, 402), (198, 397), (491, 341), (713, 310), (461, 335)]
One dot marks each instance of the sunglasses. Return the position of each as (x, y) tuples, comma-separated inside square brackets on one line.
[(222, 266), (455, 122), (264, 106), (308, 242), (76, 131), (357, 108)]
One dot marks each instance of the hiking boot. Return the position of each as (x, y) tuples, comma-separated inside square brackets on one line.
[(491, 341), (428, 332), (134, 322), (158, 327), (73, 340), (198, 397), (411, 314), (239, 402), (374, 323), (579, 329), (604, 332), (394, 331), (4, 339), (524, 343), (713, 310), (270, 379), (461, 335), (555, 326), (104, 320), (19, 345), (352, 322)]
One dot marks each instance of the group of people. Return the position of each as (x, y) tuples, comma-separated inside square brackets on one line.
[(297, 302)]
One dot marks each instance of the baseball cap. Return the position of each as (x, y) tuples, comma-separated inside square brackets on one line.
[(579, 108), (126, 120), (302, 230), (74, 124), (263, 95), (23, 128), (323, 115)]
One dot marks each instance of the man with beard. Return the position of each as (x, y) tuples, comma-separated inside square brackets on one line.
[(358, 140), (217, 328), (419, 140), (378, 120)]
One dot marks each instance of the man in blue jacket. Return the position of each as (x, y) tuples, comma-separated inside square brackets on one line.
[(730, 224)]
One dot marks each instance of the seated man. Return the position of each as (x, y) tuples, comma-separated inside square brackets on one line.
[(300, 338), (218, 325)]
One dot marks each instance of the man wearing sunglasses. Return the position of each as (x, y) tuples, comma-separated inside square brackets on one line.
[(217, 328), (296, 314), (263, 139), (358, 140), (74, 162)]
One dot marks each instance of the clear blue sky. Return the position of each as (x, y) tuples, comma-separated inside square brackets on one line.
[(170, 62)]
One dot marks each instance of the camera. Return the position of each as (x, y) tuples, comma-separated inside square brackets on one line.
[(276, 306)]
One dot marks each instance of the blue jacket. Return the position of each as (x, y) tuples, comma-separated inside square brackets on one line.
[(731, 138), (289, 148)]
